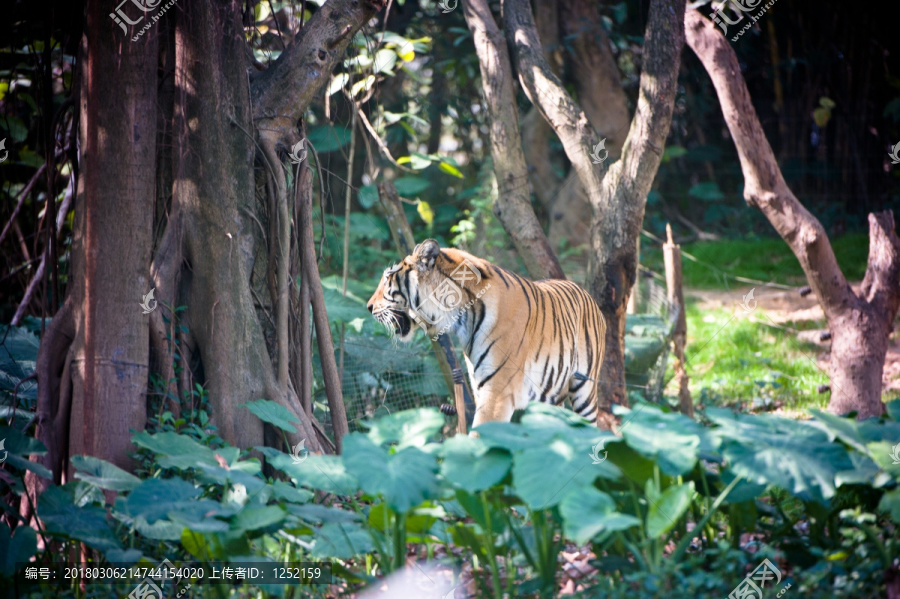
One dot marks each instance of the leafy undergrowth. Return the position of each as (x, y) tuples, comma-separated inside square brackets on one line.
[(544, 506)]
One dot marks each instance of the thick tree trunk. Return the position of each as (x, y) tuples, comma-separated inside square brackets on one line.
[(109, 355), (860, 323), (618, 195), (513, 204)]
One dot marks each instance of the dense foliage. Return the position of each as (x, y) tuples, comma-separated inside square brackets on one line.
[(671, 505)]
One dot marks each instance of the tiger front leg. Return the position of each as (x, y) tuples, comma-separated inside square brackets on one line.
[(492, 405)]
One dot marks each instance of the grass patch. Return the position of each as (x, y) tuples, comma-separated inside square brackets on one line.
[(731, 359), (767, 260)]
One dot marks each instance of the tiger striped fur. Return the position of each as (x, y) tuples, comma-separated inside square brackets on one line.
[(523, 340)]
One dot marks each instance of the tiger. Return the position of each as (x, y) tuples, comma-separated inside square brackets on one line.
[(522, 340)]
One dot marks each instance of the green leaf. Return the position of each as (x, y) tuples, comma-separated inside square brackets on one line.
[(16, 546), (273, 413), (200, 515), (405, 479), (155, 497), (668, 508), (450, 169), (18, 354), (336, 84), (586, 512), (890, 504), (179, 451), (407, 428), (385, 61), (362, 85), (88, 524), (673, 440), (411, 186), (328, 139), (470, 465), (257, 518), (103, 474), (544, 476), (368, 196), (343, 308), (425, 211), (341, 540), (319, 514), (415, 160), (793, 455), (321, 472), (672, 152)]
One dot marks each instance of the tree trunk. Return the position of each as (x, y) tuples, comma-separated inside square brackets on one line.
[(111, 255), (93, 363), (595, 78), (860, 322), (618, 195), (513, 204)]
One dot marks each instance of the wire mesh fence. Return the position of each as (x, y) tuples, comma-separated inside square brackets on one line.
[(382, 375)]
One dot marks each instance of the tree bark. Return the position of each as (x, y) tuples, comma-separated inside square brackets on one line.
[(513, 204), (860, 322), (110, 350), (618, 195), (594, 75)]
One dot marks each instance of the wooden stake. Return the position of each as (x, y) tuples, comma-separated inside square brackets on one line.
[(405, 242), (672, 257), (458, 381)]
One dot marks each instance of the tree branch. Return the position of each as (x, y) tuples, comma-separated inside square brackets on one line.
[(513, 204), (764, 185), (283, 92)]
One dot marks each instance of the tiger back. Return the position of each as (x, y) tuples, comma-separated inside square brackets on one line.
[(522, 340)]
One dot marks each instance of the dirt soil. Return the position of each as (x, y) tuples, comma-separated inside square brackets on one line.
[(778, 307)]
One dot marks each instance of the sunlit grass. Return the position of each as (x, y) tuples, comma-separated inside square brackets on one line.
[(768, 260), (733, 360)]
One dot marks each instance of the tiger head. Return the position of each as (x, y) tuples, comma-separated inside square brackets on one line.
[(406, 291)]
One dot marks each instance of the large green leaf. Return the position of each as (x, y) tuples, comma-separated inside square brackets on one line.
[(795, 456), (103, 474), (322, 514), (409, 428), (411, 186), (155, 497), (323, 472), (586, 512), (673, 440), (258, 518), (88, 524), (15, 546), (179, 451), (273, 413), (342, 540), (203, 515), (405, 478), (470, 465), (667, 508), (544, 476)]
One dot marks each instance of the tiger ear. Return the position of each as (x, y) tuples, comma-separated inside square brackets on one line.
[(425, 254)]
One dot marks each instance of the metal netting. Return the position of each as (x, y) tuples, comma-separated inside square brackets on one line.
[(383, 375), (648, 333)]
